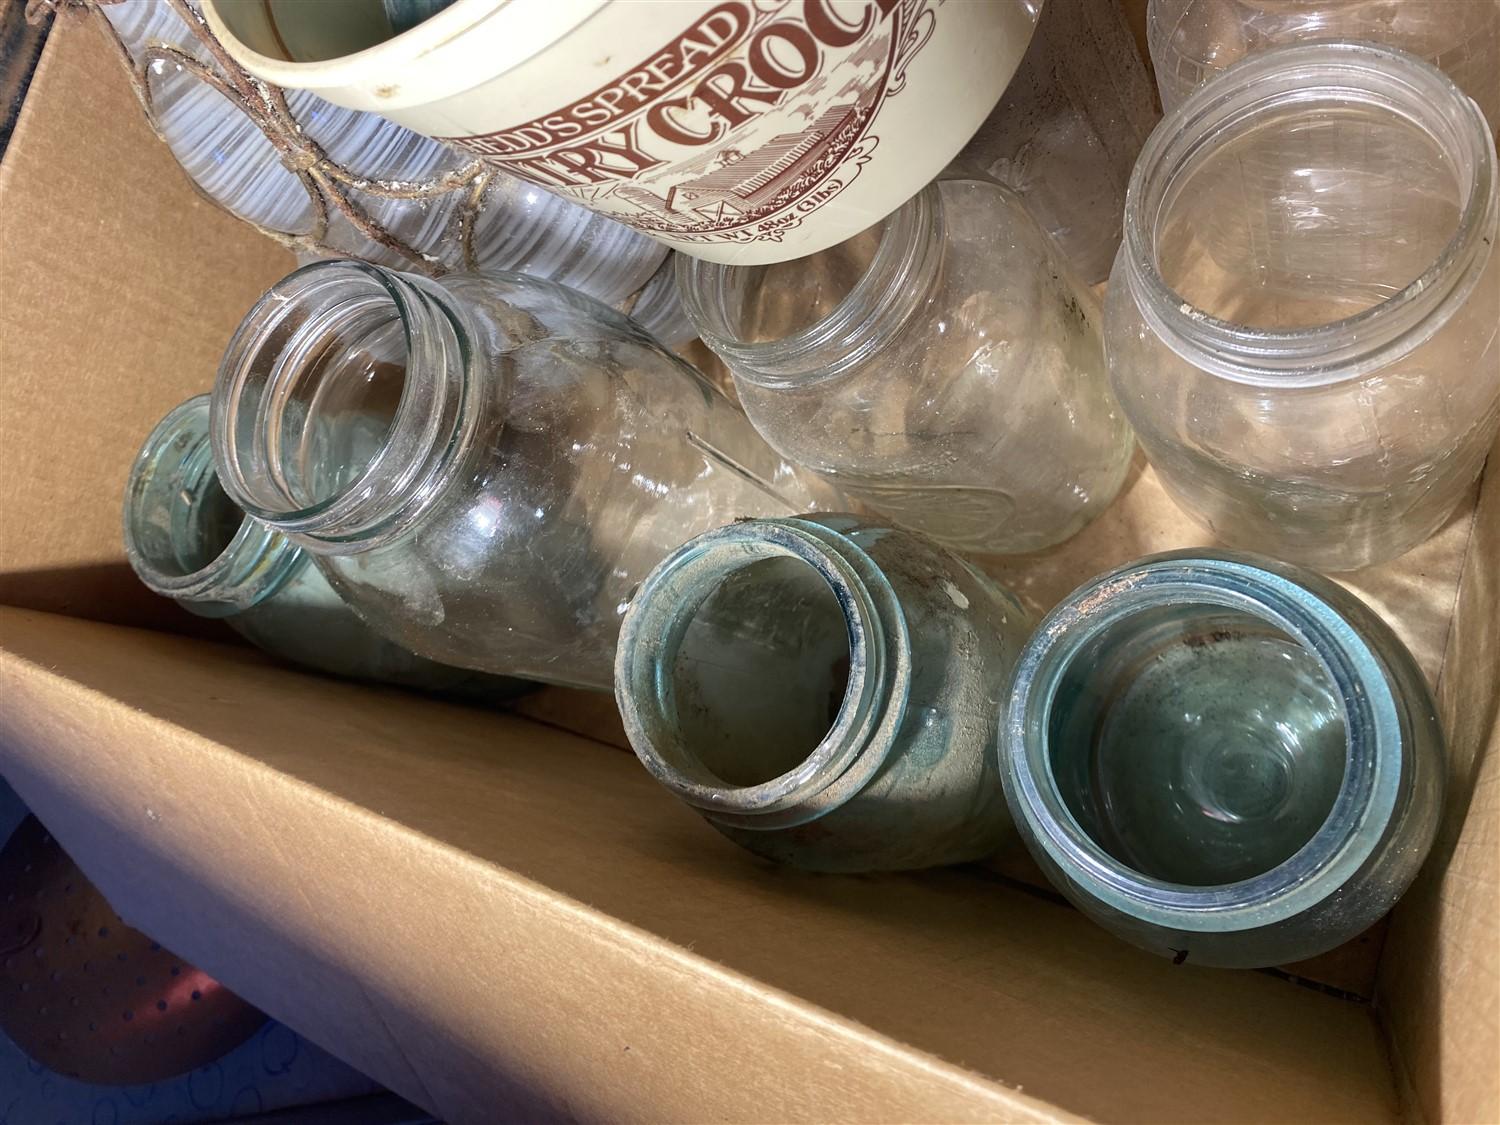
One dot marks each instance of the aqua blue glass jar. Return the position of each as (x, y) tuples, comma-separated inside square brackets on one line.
[(186, 540), (1223, 759), (824, 691)]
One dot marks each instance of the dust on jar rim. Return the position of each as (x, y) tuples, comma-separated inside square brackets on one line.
[(871, 710), (1375, 755), (1354, 346)]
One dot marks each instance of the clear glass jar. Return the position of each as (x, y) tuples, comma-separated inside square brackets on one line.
[(1223, 759), (1301, 325), (1069, 127), (516, 226), (187, 541), (887, 658), (942, 368), (486, 466), (1193, 40)]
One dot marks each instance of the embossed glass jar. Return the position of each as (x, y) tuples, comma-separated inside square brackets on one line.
[(1223, 759), (885, 660), (187, 541), (1191, 41), (1302, 325), (486, 466), (942, 368)]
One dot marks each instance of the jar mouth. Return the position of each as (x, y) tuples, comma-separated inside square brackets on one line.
[(649, 675), (870, 312), (184, 538), (1117, 604), (339, 402), (1300, 83)]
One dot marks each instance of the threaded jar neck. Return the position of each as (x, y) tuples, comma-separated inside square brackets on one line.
[(185, 538), (343, 402), (1276, 95), (680, 729), (897, 281), (1059, 671)]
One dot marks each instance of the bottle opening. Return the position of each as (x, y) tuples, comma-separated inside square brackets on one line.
[(1197, 745), (817, 316), (761, 672), (1315, 212), (340, 400), (1307, 211), (178, 519)]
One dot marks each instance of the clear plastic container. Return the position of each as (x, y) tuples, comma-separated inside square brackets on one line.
[(1302, 324), (1223, 759), (887, 659)]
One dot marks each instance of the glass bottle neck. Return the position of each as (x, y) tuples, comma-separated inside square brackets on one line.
[(343, 404), (183, 536), (1276, 90), (862, 733), (897, 282)]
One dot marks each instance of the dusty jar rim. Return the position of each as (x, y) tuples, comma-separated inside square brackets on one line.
[(1339, 350), (860, 737), (1375, 760)]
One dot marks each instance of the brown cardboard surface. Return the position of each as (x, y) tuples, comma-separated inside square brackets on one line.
[(121, 287), (1440, 975), (486, 912), (516, 907)]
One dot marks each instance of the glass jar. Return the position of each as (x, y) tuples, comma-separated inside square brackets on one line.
[(942, 368), (1301, 325), (1069, 127), (409, 185), (1223, 759), (887, 658), (486, 466), (1193, 40), (187, 541)]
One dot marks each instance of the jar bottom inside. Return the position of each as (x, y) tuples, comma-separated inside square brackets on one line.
[(203, 526), (1199, 746), (761, 672)]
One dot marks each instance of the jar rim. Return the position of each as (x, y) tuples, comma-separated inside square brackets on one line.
[(253, 565), (430, 424), (1375, 755), (887, 293), (861, 734), (1353, 346)]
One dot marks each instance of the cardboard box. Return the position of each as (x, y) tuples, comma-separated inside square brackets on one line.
[(501, 918)]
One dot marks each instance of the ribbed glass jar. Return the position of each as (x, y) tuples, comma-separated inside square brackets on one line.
[(187, 541), (942, 368), (1069, 127), (887, 659), (1223, 759), (486, 466), (1302, 325), (1191, 41)]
